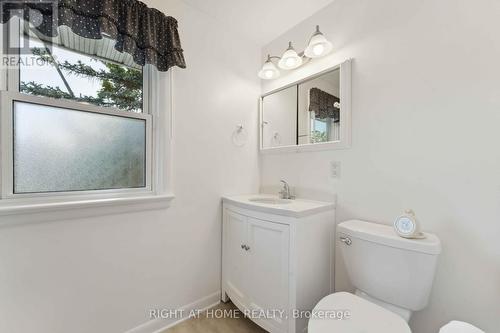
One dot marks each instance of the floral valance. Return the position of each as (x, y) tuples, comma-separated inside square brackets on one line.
[(324, 105), (147, 34)]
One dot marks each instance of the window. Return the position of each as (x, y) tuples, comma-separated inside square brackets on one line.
[(59, 149), (319, 129), (57, 72), (74, 120)]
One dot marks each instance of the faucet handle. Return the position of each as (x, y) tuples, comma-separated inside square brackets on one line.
[(285, 191)]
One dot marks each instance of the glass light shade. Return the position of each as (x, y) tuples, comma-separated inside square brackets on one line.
[(269, 71), (290, 59), (318, 46)]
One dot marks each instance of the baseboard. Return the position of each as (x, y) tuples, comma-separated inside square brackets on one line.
[(160, 325)]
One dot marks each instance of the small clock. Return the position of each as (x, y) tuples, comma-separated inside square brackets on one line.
[(407, 225)]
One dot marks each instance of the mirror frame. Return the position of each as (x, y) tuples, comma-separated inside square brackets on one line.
[(345, 114)]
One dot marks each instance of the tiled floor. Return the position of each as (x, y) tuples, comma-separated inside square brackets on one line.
[(207, 323)]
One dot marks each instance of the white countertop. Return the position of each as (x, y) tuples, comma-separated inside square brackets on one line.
[(294, 208)]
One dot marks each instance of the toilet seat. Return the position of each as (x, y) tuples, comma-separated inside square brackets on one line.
[(459, 327), (363, 316)]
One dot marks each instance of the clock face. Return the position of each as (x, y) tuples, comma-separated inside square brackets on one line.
[(405, 225)]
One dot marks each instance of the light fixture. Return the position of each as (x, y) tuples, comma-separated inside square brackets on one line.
[(269, 70), (318, 46), (290, 59)]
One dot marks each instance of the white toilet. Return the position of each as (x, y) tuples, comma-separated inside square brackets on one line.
[(393, 277)]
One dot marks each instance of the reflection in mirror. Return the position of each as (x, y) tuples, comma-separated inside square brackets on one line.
[(279, 121), (319, 109)]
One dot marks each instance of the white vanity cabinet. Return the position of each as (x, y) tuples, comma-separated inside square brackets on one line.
[(276, 259)]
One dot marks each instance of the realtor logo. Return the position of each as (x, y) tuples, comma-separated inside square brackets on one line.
[(23, 19)]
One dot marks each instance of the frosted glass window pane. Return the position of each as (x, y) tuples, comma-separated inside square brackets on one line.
[(58, 149)]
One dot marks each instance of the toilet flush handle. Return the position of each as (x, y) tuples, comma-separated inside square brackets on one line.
[(346, 240)]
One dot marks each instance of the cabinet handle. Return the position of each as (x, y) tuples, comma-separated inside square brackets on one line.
[(247, 248), (346, 240), (243, 247)]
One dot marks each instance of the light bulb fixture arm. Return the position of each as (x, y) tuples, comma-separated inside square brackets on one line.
[(270, 57), (317, 32), (301, 54)]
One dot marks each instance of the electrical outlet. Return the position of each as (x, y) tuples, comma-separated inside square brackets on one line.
[(335, 169)]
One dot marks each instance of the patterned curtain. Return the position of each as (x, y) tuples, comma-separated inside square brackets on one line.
[(324, 105), (147, 34)]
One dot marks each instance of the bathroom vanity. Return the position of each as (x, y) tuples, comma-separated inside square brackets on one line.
[(277, 258)]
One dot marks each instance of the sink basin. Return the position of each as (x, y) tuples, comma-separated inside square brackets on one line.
[(270, 201)]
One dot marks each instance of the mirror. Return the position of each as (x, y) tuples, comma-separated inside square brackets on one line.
[(313, 113), (279, 124), (319, 109)]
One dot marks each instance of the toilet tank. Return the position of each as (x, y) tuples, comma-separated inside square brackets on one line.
[(387, 267)]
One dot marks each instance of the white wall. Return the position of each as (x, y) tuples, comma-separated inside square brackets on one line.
[(103, 274), (426, 116)]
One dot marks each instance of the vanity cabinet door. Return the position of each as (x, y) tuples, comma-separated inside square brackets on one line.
[(268, 267), (235, 256)]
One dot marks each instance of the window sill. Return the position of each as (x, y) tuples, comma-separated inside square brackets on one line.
[(26, 211)]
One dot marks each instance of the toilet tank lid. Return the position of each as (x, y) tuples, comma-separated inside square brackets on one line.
[(384, 234)]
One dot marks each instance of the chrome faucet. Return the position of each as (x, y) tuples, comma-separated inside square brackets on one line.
[(285, 191)]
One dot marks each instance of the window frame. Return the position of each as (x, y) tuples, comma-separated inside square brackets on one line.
[(7, 101), (158, 140)]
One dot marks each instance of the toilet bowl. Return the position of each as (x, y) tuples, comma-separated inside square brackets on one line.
[(459, 327), (360, 315)]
